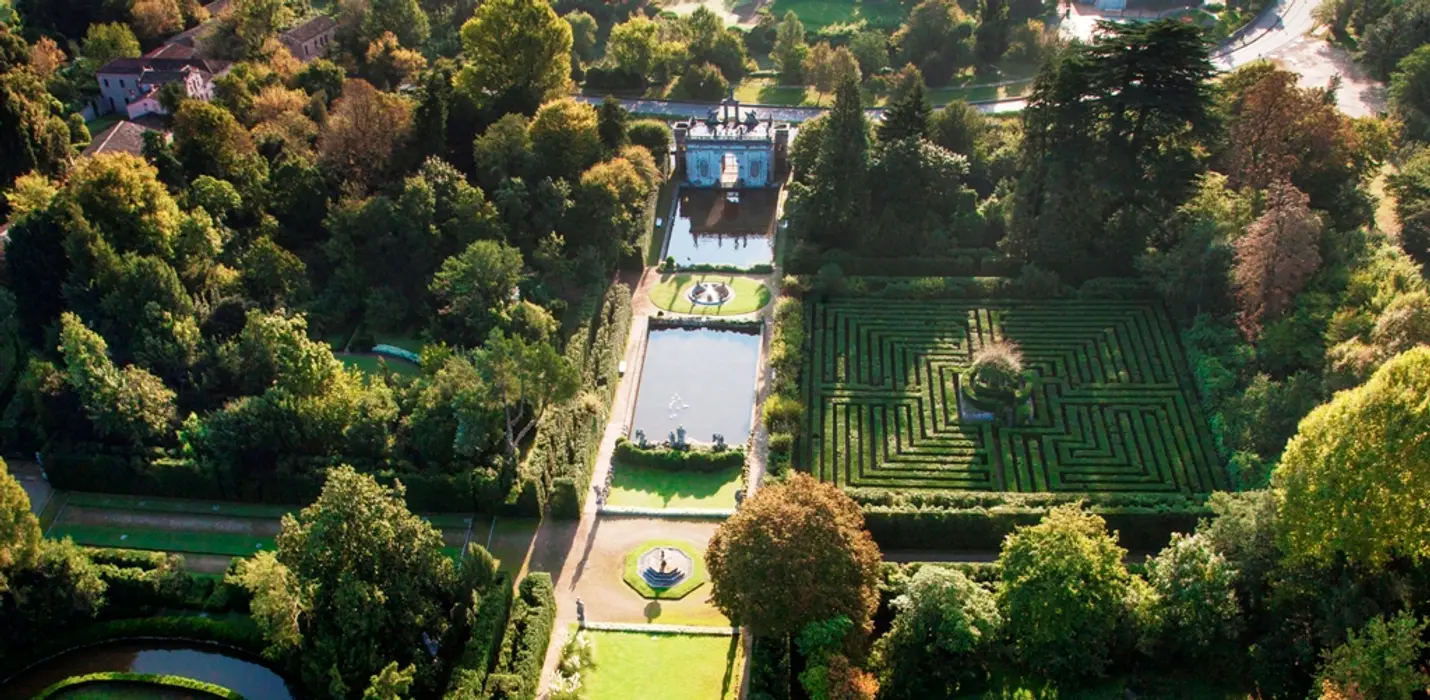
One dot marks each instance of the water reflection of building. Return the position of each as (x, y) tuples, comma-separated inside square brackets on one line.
[(726, 152)]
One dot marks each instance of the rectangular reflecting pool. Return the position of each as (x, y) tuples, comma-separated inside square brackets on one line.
[(702, 379), (707, 228)]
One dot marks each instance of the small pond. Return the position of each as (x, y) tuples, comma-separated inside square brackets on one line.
[(708, 229), (702, 379), (202, 662)]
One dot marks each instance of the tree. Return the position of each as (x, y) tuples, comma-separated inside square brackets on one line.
[(402, 18), (1276, 257), (908, 117), (257, 21), (1411, 187), (46, 58), (1346, 483), (519, 54), (357, 583), (633, 45), (525, 378), (1383, 660), (1111, 137), (503, 152), (363, 133), (710, 41), (33, 133), (272, 276), (19, 529), (322, 75), (390, 64), (790, 49), (943, 622), (208, 140), (805, 521), (475, 288), (611, 124), (652, 135), (105, 42), (157, 19), (871, 48), (1280, 131), (1195, 601), (391, 683), (1410, 93), (832, 209), (61, 590), (130, 404), (938, 38), (565, 138), (1063, 594), (703, 82), (826, 68), (583, 35)]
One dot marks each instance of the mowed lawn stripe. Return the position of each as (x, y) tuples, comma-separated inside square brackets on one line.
[(164, 540)]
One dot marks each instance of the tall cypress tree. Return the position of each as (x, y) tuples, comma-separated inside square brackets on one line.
[(835, 205)]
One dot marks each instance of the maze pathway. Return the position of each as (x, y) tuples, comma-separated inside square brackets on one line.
[(1114, 406)]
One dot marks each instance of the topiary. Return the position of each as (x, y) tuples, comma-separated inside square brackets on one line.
[(997, 371)]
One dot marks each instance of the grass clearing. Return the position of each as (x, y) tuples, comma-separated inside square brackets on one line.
[(671, 294), (372, 365), (664, 666), (647, 487), (816, 14)]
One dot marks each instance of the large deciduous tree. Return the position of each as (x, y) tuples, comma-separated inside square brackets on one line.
[(129, 405), (790, 49), (363, 132), (1410, 93), (1351, 480), (565, 138), (33, 133), (1383, 660), (942, 624), (19, 530), (105, 42), (358, 581), (1195, 605), (1063, 594), (475, 288), (518, 55), (1276, 256), (829, 564)]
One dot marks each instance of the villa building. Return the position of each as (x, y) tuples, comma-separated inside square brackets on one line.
[(131, 85)]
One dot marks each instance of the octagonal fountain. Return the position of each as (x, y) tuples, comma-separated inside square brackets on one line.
[(710, 293), (664, 567)]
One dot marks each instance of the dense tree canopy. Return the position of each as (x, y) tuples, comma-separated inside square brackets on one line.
[(1347, 483), (520, 54), (831, 563)]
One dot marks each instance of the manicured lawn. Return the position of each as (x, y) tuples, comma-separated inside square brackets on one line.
[(177, 505), (644, 487), (819, 13), (630, 664), (164, 540), (670, 294)]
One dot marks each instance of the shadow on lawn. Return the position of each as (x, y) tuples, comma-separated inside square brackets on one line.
[(730, 655), (670, 485)]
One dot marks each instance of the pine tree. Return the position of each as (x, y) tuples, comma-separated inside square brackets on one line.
[(834, 207), (908, 117)]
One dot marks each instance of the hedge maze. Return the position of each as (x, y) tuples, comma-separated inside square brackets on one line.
[(1113, 405)]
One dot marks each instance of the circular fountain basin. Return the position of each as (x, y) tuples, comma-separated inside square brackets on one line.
[(663, 567), (710, 293)]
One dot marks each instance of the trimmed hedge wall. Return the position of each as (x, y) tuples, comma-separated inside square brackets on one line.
[(469, 675), (558, 468), (523, 649), (237, 633), (693, 459), (967, 262), (902, 527), (167, 681)]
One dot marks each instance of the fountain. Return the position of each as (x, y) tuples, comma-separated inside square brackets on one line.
[(664, 567), (710, 293)]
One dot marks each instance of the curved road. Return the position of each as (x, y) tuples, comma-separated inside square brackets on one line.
[(1281, 34)]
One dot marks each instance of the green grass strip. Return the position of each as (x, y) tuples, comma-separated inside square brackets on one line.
[(220, 543), (177, 505), (672, 294), (137, 679)]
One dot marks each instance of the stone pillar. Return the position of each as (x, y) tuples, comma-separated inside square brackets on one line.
[(781, 151)]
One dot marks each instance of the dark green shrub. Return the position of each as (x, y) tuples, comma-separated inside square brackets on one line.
[(695, 459), (523, 648)]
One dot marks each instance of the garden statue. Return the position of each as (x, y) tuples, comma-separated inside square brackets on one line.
[(580, 612)]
